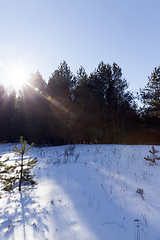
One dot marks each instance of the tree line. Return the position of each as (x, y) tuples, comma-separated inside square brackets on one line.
[(81, 108)]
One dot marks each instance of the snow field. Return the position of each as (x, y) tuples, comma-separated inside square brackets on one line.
[(84, 192)]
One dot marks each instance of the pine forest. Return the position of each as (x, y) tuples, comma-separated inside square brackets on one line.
[(81, 108)]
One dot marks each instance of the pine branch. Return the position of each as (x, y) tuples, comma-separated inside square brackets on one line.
[(16, 150), (29, 147), (148, 158)]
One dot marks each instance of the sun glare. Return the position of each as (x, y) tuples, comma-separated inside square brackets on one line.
[(17, 75)]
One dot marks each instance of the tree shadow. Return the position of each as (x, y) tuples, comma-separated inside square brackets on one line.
[(22, 216), (83, 206)]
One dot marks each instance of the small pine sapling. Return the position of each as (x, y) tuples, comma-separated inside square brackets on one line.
[(153, 157), (20, 171), (26, 167)]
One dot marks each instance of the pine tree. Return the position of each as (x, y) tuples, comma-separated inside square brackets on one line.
[(60, 92), (20, 171), (61, 82), (24, 172), (3, 98), (153, 157), (34, 108), (110, 90), (151, 94)]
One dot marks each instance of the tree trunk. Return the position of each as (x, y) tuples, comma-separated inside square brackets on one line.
[(21, 172)]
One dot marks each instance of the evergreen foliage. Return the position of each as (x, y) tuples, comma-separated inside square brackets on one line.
[(95, 108), (153, 157), (10, 174), (20, 171), (151, 94), (34, 109), (110, 89), (24, 172)]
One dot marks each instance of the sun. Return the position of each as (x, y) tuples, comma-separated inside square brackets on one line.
[(17, 75)]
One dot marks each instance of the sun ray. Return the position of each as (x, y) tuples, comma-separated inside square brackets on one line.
[(17, 75)]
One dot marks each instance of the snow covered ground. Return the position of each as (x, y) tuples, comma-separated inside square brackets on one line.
[(84, 192)]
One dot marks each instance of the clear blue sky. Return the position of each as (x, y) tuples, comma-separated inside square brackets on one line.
[(41, 33)]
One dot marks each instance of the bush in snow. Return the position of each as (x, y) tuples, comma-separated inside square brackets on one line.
[(69, 152), (140, 191)]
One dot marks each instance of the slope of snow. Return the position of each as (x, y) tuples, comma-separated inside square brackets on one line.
[(86, 192)]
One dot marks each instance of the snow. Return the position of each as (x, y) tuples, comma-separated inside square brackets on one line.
[(84, 192)]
